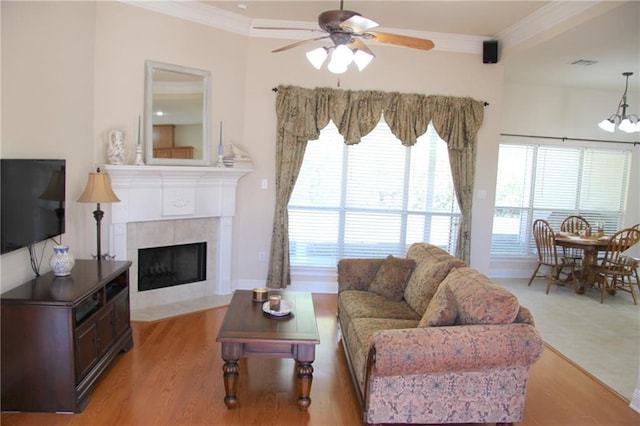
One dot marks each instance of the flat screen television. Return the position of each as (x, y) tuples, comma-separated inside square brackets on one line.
[(32, 193)]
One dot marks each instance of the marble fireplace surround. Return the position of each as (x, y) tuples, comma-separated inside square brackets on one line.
[(165, 205)]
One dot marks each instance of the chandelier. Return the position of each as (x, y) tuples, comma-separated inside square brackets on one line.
[(626, 123)]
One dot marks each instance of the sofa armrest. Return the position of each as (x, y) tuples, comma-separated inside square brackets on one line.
[(357, 274), (453, 349)]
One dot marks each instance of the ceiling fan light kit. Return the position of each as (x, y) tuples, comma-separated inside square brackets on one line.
[(627, 123), (346, 29), (340, 58)]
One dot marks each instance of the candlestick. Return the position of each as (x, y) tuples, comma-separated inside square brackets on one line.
[(138, 130), (139, 161)]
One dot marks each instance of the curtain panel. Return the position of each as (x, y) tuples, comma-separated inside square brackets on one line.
[(302, 113)]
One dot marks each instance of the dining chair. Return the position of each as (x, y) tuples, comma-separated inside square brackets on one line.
[(548, 256), (635, 264), (614, 272), (636, 261), (573, 225)]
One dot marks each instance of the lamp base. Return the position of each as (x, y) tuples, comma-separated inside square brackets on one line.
[(105, 256)]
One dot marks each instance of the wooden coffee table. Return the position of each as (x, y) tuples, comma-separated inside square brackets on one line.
[(248, 332)]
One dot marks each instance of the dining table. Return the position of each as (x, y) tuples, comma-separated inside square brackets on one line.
[(590, 246)]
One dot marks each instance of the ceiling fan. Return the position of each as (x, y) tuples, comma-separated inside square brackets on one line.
[(347, 29)]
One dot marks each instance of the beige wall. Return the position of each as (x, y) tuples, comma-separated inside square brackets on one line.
[(76, 70), (47, 108)]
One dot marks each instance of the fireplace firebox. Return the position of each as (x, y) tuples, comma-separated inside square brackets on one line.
[(167, 266)]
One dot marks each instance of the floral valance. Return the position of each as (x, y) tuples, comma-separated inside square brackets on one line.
[(304, 112)]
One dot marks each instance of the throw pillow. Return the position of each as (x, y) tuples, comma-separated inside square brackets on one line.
[(425, 280), (391, 277), (480, 300), (442, 309)]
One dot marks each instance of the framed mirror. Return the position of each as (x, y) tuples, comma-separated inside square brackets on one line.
[(176, 117)]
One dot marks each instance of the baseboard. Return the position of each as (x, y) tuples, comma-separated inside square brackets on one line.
[(635, 399), (314, 280)]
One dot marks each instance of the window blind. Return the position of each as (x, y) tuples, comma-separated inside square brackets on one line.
[(551, 183), (371, 199)]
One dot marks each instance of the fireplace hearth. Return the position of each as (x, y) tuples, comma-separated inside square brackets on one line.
[(168, 266)]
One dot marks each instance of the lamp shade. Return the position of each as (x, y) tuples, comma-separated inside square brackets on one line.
[(362, 59), (627, 126), (98, 189), (317, 57), (607, 125)]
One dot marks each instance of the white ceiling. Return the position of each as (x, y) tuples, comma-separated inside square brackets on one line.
[(538, 39)]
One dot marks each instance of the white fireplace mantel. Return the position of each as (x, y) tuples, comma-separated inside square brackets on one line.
[(160, 193)]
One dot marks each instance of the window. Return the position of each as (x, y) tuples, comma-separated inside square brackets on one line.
[(551, 183), (371, 199)]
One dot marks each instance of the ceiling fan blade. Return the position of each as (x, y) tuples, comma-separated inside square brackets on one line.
[(356, 43), (299, 43), (358, 23), (289, 28), (399, 40)]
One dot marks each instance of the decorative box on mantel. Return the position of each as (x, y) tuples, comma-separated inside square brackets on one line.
[(172, 193)]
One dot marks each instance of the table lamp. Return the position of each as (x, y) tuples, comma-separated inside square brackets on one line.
[(98, 190)]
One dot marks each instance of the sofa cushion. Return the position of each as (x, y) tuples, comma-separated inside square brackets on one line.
[(391, 277), (365, 304), (479, 300), (425, 280), (357, 274), (442, 309)]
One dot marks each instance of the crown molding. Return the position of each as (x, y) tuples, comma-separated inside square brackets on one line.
[(544, 19), (198, 12)]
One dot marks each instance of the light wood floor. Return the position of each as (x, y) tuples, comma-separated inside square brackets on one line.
[(173, 376)]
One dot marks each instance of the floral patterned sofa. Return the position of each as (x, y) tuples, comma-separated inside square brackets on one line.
[(429, 340)]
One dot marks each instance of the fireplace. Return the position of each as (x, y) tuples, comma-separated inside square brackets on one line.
[(174, 205), (168, 266)]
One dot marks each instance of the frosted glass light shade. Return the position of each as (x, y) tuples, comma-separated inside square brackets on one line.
[(607, 125), (627, 126), (336, 67), (341, 57), (362, 59), (317, 57)]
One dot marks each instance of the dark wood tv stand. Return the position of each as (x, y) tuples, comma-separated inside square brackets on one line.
[(59, 334)]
